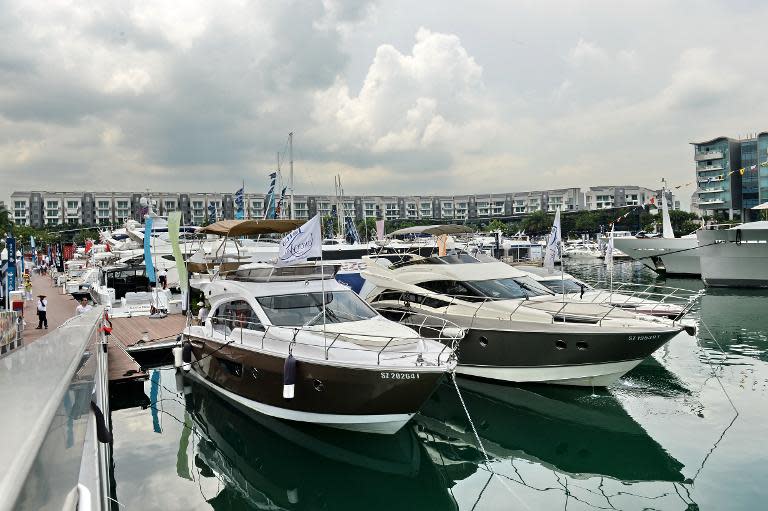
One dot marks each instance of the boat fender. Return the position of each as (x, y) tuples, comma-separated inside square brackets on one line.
[(186, 356), (289, 377), (177, 361), (690, 330), (103, 434), (293, 495)]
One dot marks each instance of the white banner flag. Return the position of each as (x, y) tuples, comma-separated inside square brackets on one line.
[(553, 243), (301, 244), (609, 248)]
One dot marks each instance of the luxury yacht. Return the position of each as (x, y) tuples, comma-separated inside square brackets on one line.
[(581, 249), (669, 302), (734, 257), (293, 343), (516, 329)]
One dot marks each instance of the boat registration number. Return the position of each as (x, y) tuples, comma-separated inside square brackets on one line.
[(399, 376), (652, 337)]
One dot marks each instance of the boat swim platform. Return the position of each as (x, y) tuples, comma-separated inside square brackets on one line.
[(138, 334)]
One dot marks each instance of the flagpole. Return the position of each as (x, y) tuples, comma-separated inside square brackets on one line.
[(290, 155)]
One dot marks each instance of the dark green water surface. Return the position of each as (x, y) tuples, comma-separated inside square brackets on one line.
[(664, 437)]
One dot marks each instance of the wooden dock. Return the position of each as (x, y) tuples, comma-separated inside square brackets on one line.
[(128, 334)]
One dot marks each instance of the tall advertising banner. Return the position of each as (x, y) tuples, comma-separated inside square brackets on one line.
[(174, 224), (10, 244), (59, 256), (150, 269)]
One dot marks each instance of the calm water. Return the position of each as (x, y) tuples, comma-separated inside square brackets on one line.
[(664, 437)]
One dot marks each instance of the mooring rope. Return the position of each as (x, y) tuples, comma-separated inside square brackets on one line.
[(480, 444)]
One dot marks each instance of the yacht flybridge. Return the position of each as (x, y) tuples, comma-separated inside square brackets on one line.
[(293, 343), (517, 329)]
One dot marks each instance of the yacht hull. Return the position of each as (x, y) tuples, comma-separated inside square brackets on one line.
[(666, 256), (726, 262), (562, 357), (376, 400)]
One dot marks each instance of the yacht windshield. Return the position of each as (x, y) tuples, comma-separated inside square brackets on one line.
[(506, 289), (306, 309), (570, 285)]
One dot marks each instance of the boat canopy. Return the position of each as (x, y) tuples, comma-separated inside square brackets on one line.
[(764, 205), (250, 227), (435, 230)]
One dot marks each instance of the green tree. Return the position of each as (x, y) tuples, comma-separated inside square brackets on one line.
[(497, 225), (538, 222)]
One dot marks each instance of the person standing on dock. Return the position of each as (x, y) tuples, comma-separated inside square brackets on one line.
[(83, 307), (42, 312)]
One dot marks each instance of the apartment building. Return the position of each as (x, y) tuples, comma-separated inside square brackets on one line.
[(38, 208), (731, 176)]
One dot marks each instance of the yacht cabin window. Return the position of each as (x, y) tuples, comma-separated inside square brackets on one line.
[(306, 309), (235, 314), (570, 285), (479, 290)]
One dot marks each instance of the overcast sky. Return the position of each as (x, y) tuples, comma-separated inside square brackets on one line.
[(396, 96)]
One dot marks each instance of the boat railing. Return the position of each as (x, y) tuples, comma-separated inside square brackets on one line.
[(52, 455), (656, 297), (443, 331), (473, 305)]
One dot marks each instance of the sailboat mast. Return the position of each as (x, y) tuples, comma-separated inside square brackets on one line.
[(290, 179)]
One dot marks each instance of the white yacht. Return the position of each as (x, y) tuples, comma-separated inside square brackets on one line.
[(736, 256), (517, 329), (581, 249), (348, 366), (666, 255), (669, 302)]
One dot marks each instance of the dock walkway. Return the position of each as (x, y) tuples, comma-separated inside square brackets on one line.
[(61, 307)]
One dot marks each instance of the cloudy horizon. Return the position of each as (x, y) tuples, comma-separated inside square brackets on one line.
[(396, 97)]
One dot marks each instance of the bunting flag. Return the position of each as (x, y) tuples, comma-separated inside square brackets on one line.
[(211, 213), (88, 245), (174, 224), (239, 214), (764, 164), (741, 171), (269, 200), (150, 269), (753, 168)]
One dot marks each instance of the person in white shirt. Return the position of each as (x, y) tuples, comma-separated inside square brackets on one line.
[(202, 314), (83, 307), (162, 278), (42, 311)]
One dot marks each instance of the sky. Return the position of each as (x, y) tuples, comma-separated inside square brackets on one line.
[(397, 97)]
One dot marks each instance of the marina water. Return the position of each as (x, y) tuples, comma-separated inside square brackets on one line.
[(684, 430)]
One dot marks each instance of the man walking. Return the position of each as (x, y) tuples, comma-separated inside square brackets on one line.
[(42, 311)]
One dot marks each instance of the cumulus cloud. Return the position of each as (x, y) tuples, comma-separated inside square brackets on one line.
[(416, 101)]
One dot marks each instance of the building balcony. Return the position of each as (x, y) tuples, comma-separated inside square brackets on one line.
[(712, 190), (711, 202), (718, 179), (707, 169), (711, 155)]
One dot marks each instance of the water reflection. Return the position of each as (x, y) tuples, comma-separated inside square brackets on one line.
[(266, 463), (561, 428)]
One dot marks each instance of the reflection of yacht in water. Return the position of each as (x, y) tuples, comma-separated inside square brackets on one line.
[(266, 463), (557, 427)]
